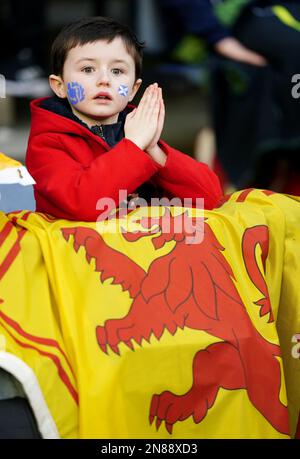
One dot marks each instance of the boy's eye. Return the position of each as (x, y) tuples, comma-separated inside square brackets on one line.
[(87, 69), (117, 71)]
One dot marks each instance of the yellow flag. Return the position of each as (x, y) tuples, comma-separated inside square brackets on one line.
[(157, 325)]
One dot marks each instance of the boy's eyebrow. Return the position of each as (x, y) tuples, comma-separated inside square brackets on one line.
[(115, 61), (85, 59), (120, 61)]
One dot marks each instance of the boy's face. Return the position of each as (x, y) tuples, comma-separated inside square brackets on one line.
[(98, 80)]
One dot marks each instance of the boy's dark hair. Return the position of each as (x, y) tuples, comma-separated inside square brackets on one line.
[(89, 30)]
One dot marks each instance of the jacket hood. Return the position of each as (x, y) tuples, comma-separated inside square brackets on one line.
[(54, 115)]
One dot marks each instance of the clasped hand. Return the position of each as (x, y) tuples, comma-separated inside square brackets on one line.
[(144, 124)]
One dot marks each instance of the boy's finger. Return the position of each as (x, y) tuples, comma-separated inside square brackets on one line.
[(145, 98), (161, 113), (147, 90), (150, 100), (161, 116), (154, 103), (149, 105)]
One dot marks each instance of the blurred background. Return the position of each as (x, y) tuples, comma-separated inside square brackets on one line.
[(226, 68)]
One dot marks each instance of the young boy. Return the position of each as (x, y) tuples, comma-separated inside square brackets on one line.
[(88, 143)]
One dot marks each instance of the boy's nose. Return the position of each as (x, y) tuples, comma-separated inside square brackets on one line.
[(103, 79)]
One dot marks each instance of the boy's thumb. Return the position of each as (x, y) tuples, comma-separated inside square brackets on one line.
[(130, 115)]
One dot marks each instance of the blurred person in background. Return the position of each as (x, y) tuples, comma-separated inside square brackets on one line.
[(254, 47), (22, 59)]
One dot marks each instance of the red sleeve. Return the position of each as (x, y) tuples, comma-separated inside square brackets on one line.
[(184, 177), (67, 189)]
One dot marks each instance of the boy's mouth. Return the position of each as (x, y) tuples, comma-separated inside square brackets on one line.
[(103, 96)]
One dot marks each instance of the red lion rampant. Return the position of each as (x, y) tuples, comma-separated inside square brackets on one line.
[(193, 286)]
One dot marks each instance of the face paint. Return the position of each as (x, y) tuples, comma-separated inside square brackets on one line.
[(75, 92), (123, 90)]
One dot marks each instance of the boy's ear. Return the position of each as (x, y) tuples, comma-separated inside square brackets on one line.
[(135, 89), (57, 86)]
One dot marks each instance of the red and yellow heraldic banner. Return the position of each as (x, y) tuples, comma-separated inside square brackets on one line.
[(144, 334)]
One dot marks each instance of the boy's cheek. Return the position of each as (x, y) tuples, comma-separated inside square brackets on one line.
[(123, 90), (75, 92)]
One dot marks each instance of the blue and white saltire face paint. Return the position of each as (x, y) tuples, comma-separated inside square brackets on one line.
[(75, 92), (123, 90)]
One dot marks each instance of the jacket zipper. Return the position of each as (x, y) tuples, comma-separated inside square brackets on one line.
[(101, 133), (98, 130)]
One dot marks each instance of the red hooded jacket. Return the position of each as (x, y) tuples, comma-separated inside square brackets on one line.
[(74, 168)]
